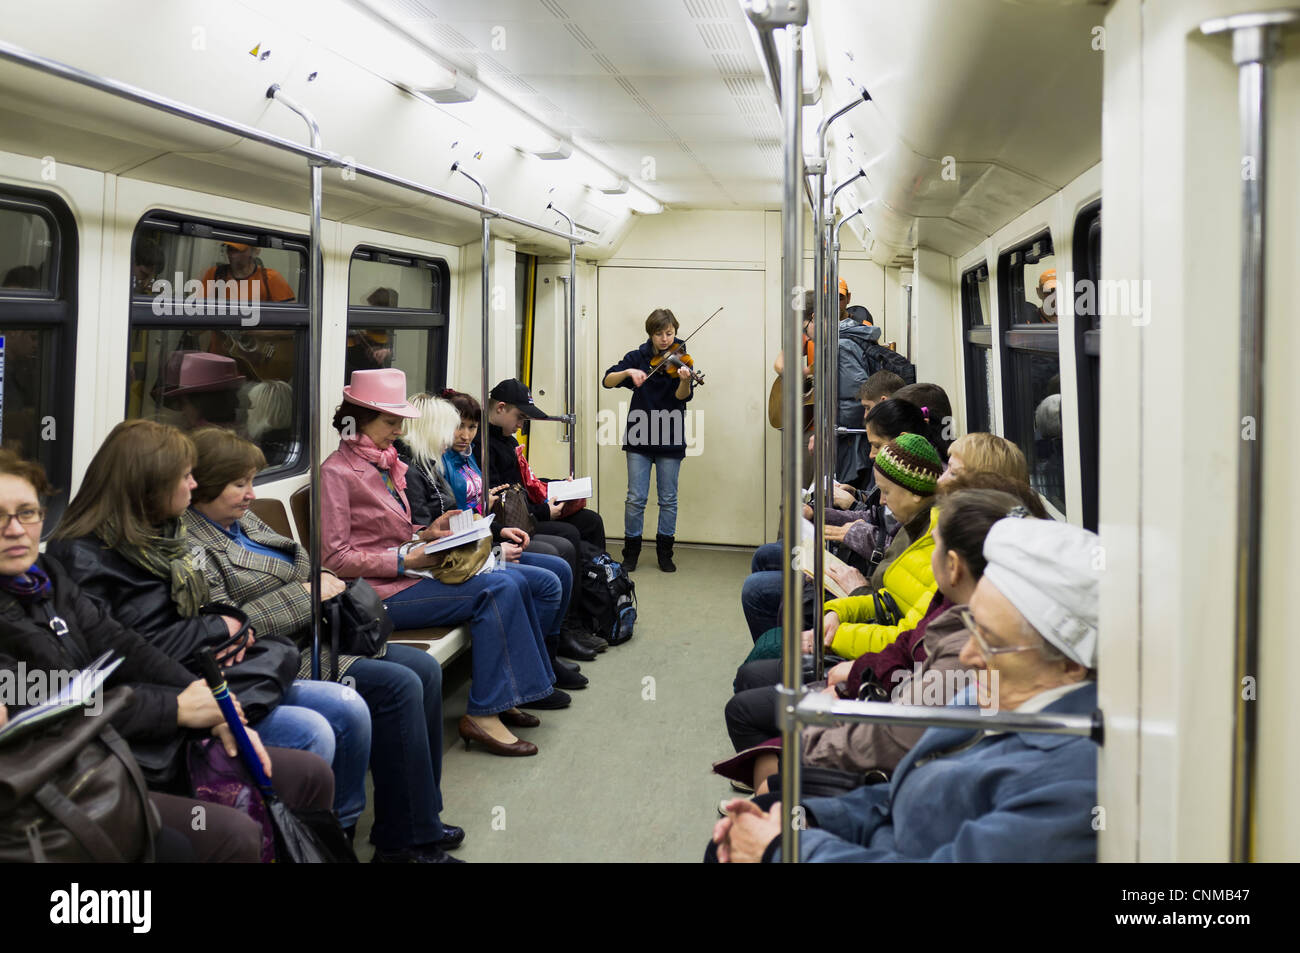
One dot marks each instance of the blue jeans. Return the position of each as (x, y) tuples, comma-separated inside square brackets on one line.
[(550, 581), (510, 666), (341, 714), (638, 488), (404, 693), (763, 590)]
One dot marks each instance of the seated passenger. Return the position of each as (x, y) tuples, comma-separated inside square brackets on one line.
[(511, 405), (934, 403), (244, 277), (122, 540), (436, 449), (906, 671), (167, 699), (864, 534), (270, 422), (963, 795), (365, 515), (203, 389), (907, 470), (988, 453), (266, 575)]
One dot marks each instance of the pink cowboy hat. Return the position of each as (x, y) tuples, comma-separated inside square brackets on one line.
[(383, 390), (193, 372)]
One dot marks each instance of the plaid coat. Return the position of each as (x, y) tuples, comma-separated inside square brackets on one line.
[(269, 590)]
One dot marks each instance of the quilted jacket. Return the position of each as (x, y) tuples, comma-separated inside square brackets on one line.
[(909, 579)]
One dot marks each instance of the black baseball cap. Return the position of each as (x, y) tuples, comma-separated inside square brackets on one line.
[(514, 392)]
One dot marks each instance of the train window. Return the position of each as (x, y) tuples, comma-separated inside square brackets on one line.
[(397, 316), (1087, 329), (38, 331), (1031, 378), (219, 328), (977, 336)]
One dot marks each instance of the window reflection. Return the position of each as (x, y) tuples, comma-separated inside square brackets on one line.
[(242, 380)]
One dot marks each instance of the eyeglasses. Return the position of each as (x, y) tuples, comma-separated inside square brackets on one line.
[(28, 515), (987, 650)]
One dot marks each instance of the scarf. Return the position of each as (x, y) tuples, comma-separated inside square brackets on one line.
[(387, 460), (31, 585), (169, 557)]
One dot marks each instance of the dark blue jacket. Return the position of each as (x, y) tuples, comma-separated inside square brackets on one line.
[(1011, 797), (656, 422)]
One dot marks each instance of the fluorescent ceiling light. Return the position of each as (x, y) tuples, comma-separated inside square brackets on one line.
[(643, 203), (489, 115), (375, 44), (596, 176), (561, 150)]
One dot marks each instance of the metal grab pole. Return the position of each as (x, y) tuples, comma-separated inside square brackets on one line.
[(1255, 40), (824, 403), (571, 354), (817, 708), (315, 333), (765, 18), (483, 378)]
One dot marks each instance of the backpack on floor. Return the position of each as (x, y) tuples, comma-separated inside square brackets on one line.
[(606, 596)]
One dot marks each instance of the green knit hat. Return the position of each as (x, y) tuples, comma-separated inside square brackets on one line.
[(911, 462)]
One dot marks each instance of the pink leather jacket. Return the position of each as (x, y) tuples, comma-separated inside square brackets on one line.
[(361, 522)]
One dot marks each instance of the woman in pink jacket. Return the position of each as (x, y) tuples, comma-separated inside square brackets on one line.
[(365, 515)]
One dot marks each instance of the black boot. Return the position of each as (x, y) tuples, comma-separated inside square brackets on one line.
[(631, 552), (664, 548)]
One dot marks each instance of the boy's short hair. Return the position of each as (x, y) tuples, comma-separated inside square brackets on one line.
[(879, 385), (661, 319)]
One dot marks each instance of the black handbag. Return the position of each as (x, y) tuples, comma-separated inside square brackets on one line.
[(357, 622), (886, 608), (72, 792), (267, 671)]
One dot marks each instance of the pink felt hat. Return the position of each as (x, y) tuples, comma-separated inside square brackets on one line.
[(383, 389), (191, 372)]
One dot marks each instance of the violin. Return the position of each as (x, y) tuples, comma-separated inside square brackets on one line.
[(676, 357)]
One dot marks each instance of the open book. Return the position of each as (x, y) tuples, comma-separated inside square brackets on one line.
[(465, 528), (82, 689), (829, 560), (561, 491)]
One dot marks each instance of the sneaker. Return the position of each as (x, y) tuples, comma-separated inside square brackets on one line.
[(740, 787)]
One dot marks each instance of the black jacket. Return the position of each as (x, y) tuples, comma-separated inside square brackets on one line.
[(25, 636), (503, 466), (136, 598), (423, 493), (656, 420)]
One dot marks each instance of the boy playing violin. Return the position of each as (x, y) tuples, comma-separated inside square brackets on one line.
[(655, 435)]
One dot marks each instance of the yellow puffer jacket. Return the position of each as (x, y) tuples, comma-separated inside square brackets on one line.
[(909, 579)]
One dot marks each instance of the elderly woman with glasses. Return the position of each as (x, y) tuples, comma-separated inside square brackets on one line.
[(984, 795)]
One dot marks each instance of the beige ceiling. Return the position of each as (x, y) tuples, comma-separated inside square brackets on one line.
[(678, 81)]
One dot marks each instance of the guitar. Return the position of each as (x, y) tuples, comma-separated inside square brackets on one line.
[(774, 403)]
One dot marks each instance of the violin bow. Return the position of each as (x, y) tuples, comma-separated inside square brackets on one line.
[(680, 343)]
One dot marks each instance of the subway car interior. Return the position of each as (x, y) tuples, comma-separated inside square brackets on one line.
[(1059, 229)]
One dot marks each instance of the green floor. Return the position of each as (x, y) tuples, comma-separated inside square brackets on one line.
[(623, 774)]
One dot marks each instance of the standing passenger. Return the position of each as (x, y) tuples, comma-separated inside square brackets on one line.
[(655, 436)]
